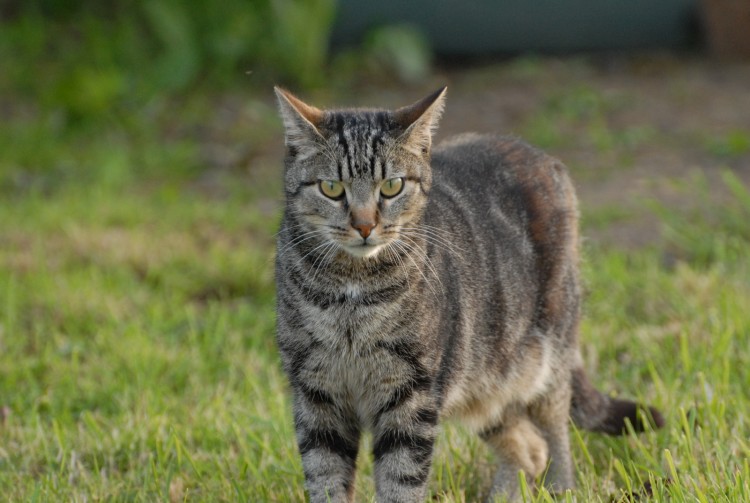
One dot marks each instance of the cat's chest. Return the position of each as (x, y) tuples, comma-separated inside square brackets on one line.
[(351, 314), (359, 375), (349, 360), (361, 378)]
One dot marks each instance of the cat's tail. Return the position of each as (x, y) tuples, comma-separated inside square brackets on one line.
[(595, 411)]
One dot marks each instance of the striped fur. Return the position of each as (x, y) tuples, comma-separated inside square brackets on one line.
[(461, 302)]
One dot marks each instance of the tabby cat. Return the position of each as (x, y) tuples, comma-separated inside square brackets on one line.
[(419, 284)]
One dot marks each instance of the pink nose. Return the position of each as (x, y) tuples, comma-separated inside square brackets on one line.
[(364, 228)]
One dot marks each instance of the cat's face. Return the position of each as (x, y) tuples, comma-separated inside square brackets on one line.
[(357, 180)]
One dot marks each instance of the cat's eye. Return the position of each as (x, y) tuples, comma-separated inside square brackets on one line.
[(332, 189), (392, 187)]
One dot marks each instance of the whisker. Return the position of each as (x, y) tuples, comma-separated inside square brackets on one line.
[(325, 259), (287, 226), (438, 231), (437, 238), (426, 259), (303, 257), (321, 257), (407, 248), (396, 258), (442, 245), (298, 240)]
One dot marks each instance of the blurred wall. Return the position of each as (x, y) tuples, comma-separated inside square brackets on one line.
[(474, 27)]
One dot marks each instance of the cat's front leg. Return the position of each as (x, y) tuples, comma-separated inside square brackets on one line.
[(328, 442), (404, 438)]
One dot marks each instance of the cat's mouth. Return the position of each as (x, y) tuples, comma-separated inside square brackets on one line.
[(363, 250)]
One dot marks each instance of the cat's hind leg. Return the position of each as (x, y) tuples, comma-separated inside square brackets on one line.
[(520, 447), (550, 413)]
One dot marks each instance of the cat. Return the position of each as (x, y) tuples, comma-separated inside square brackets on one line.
[(418, 284)]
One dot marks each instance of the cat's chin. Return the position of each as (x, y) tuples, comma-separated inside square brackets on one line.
[(363, 251)]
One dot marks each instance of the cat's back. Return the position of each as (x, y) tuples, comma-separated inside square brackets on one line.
[(503, 181), (485, 163)]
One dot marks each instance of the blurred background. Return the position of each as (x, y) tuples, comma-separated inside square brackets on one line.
[(130, 91), (140, 192)]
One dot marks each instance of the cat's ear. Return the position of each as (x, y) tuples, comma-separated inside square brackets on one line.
[(302, 123), (420, 121)]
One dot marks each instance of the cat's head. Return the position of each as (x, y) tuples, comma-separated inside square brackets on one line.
[(359, 178)]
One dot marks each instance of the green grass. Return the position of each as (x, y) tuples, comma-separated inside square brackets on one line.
[(580, 112), (137, 355), (138, 361)]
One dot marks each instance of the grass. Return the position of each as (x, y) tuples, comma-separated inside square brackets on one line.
[(137, 356)]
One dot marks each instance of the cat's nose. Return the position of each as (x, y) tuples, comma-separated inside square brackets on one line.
[(364, 228), (364, 220)]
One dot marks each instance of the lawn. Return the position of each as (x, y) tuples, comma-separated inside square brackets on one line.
[(137, 355)]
